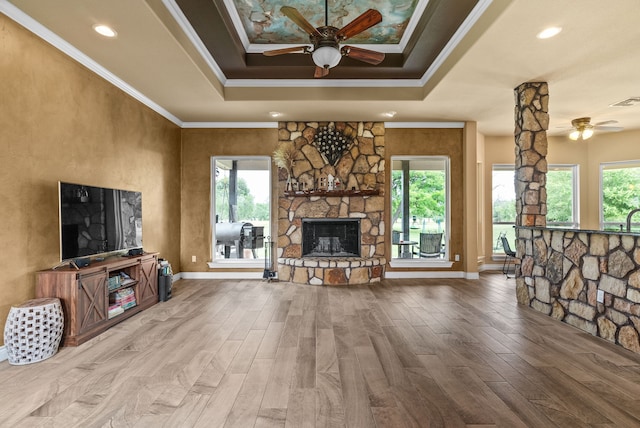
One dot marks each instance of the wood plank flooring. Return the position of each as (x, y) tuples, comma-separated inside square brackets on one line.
[(401, 353)]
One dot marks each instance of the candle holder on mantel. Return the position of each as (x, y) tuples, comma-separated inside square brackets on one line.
[(331, 193)]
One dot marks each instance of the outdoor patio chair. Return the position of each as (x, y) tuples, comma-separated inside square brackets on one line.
[(510, 256), (430, 244)]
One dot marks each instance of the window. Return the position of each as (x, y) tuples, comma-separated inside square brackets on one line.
[(562, 196), (562, 200), (241, 195), (420, 208), (619, 195), (503, 197)]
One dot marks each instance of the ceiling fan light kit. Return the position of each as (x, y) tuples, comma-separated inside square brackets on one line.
[(583, 129), (326, 57), (587, 132), (326, 52)]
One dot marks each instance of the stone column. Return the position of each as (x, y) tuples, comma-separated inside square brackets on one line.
[(532, 121)]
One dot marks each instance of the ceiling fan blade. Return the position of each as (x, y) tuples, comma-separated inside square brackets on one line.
[(361, 23), (606, 122), (608, 128), (293, 14), (294, 49), (365, 55), (321, 72)]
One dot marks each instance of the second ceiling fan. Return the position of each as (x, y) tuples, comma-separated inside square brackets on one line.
[(326, 51), (582, 129)]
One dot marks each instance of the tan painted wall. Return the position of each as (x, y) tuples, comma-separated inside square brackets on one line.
[(604, 147), (436, 142), (198, 146), (60, 121)]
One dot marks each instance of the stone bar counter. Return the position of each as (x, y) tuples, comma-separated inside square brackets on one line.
[(589, 279)]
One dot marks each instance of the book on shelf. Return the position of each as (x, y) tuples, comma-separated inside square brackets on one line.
[(115, 310), (125, 298), (114, 282)]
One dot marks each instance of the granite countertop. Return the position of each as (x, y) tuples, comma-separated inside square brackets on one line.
[(565, 229)]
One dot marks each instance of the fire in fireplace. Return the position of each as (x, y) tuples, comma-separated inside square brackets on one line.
[(334, 237)]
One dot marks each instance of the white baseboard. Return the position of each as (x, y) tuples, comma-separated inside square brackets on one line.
[(3, 353), (390, 275), (221, 275), (490, 267), (423, 274)]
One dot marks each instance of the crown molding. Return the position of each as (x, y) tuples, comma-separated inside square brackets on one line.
[(65, 47)]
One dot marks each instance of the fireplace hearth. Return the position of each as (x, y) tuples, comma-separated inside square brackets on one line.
[(350, 254), (330, 237)]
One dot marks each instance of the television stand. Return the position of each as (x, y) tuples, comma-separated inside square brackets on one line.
[(86, 293)]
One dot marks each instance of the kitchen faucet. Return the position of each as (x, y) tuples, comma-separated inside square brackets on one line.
[(629, 218)]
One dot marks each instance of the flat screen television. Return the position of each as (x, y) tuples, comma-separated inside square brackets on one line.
[(98, 220)]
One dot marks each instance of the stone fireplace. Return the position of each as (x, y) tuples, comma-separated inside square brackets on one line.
[(357, 202), (322, 237)]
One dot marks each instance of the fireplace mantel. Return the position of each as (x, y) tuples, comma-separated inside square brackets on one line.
[(330, 193)]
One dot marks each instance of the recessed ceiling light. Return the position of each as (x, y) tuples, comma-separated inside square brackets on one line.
[(547, 33), (275, 114), (389, 114), (105, 30)]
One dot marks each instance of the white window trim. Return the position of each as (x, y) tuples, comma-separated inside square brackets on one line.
[(233, 263), (611, 165)]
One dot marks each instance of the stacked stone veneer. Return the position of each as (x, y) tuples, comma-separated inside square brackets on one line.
[(562, 272), (532, 121), (362, 167)]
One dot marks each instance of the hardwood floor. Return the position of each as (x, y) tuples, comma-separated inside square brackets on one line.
[(433, 353)]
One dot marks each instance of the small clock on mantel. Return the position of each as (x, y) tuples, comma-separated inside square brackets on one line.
[(331, 143)]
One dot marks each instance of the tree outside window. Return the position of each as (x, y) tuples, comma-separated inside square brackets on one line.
[(562, 200), (419, 198), (241, 189), (620, 194)]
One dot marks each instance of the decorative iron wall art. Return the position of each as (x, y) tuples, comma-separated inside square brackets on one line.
[(331, 143)]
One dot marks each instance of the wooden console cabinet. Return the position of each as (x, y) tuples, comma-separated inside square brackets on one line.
[(85, 293)]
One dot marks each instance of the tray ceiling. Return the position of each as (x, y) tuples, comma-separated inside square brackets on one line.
[(180, 57), (235, 34), (262, 22)]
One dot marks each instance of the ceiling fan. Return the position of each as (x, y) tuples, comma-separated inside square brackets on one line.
[(326, 51), (583, 129)]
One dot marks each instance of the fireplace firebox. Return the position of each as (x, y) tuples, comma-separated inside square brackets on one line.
[(332, 237)]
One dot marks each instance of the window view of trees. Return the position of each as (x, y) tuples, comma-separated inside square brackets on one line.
[(561, 200), (241, 194), (620, 195), (248, 208), (503, 204), (426, 195), (560, 197), (419, 203)]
